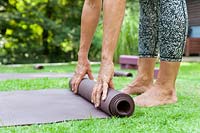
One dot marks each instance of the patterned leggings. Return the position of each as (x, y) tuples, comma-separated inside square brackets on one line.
[(163, 28)]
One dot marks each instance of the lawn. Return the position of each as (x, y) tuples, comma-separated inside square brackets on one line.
[(184, 116), (59, 68)]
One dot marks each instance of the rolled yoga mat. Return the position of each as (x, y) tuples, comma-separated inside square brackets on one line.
[(116, 103)]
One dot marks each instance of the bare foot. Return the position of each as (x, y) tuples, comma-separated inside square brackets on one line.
[(155, 96), (138, 86)]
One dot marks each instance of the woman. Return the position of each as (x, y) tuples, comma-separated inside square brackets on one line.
[(163, 29)]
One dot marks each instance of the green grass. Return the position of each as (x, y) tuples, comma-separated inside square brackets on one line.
[(68, 67), (184, 116), (61, 68)]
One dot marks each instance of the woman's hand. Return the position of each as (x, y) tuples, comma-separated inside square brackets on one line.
[(82, 68), (104, 82)]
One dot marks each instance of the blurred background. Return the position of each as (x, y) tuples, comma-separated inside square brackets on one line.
[(34, 31)]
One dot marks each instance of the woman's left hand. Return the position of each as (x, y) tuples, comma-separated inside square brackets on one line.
[(104, 82)]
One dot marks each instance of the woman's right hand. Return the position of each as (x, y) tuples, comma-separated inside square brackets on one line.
[(82, 68)]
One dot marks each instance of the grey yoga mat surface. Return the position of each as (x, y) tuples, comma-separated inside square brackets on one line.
[(56, 105), (6, 76), (44, 106)]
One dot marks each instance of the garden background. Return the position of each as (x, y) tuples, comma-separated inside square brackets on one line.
[(49, 31)]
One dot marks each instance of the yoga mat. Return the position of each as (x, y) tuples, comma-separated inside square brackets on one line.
[(57, 105), (116, 103), (9, 76), (44, 106), (122, 74)]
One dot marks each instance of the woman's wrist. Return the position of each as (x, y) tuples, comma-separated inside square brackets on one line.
[(105, 58), (83, 55)]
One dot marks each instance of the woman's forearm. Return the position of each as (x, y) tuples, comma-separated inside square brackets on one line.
[(89, 20), (113, 17)]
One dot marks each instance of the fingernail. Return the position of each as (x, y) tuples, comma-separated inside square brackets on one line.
[(97, 105), (103, 98)]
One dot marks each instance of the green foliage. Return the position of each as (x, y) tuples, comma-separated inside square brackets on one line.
[(49, 31), (39, 30)]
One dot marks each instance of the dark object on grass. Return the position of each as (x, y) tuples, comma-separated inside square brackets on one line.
[(116, 103), (38, 67), (123, 74)]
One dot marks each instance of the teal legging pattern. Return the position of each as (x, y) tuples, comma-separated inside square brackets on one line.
[(163, 29)]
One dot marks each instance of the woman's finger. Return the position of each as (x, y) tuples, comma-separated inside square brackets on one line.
[(89, 72), (105, 91), (111, 84)]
